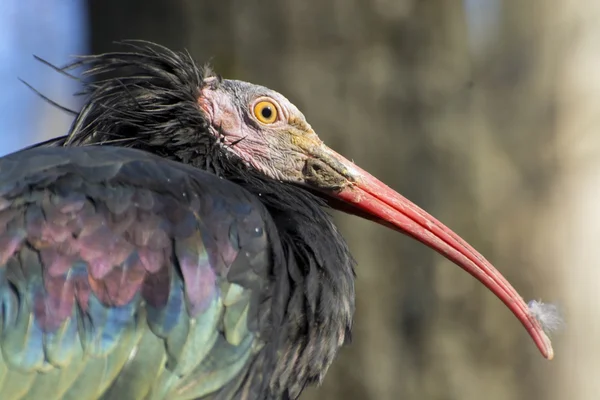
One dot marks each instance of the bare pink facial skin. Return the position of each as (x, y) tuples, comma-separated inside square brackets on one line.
[(279, 150)]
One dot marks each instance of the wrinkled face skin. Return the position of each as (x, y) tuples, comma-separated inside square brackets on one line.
[(270, 134)]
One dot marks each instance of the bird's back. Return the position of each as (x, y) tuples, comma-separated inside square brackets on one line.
[(125, 276)]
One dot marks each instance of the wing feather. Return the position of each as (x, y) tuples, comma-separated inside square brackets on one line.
[(124, 275)]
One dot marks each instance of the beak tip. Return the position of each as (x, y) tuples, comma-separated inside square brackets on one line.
[(547, 351), (545, 318)]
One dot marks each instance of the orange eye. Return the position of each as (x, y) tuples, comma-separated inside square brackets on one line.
[(265, 111)]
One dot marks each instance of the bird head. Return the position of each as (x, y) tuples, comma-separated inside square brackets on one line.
[(172, 105), (270, 134)]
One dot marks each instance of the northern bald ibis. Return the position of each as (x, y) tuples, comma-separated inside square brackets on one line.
[(175, 244)]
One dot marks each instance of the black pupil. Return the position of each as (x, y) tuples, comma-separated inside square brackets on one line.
[(266, 112)]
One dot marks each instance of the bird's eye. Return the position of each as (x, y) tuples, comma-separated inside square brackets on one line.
[(265, 111)]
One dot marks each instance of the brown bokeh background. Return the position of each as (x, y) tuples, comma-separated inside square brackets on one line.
[(494, 131)]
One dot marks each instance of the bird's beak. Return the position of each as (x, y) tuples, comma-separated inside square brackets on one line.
[(366, 196)]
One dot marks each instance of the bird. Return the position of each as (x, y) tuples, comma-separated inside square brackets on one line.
[(177, 242)]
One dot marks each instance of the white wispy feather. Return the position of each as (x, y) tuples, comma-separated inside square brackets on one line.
[(547, 315)]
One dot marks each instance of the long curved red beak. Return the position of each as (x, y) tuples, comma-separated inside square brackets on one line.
[(369, 198)]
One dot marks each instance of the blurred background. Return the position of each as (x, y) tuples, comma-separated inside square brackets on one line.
[(484, 112)]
